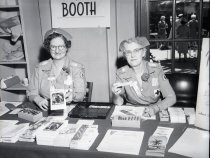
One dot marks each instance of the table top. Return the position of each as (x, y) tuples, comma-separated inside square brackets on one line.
[(32, 150)]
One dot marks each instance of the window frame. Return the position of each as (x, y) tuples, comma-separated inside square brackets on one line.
[(142, 28)]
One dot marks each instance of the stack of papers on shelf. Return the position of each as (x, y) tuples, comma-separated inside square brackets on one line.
[(177, 115), (193, 143), (158, 141), (128, 116), (50, 131), (84, 137), (30, 134), (5, 125), (13, 133), (121, 141), (65, 136), (190, 114)]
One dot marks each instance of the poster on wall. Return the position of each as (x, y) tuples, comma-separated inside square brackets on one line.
[(80, 13), (202, 105)]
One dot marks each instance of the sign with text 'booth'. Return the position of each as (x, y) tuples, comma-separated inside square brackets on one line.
[(80, 13)]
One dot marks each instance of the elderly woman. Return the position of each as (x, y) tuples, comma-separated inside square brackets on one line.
[(58, 72), (141, 82)]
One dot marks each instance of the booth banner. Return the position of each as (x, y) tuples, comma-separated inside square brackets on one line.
[(202, 105), (80, 13)]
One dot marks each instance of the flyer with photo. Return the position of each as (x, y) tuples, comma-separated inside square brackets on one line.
[(57, 99)]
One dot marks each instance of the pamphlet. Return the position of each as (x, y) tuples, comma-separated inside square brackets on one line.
[(57, 99), (158, 141)]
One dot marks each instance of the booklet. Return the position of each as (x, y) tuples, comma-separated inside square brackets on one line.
[(57, 99), (84, 137), (158, 141)]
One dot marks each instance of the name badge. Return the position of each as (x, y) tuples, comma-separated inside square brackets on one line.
[(68, 81), (154, 81)]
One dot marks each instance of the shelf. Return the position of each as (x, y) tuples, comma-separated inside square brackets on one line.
[(16, 87), (9, 6), (21, 61)]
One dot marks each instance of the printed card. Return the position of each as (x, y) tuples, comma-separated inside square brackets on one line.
[(57, 99)]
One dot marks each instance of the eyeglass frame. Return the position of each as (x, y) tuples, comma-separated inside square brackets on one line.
[(135, 51), (60, 47)]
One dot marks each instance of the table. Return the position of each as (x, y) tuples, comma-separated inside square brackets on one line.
[(32, 150)]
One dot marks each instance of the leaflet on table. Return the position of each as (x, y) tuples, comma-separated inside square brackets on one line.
[(86, 122), (6, 125), (30, 134), (164, 115), (84, 137), (65, 136), (158, 141), (121, 141), (130, 111), (177, 115), (193, 143), (47, 135), (13, 133)]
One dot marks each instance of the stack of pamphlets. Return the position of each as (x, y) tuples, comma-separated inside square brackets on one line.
[(84, 137), (65, 136), (158, 141), (190, 114), (128, 116), (177, 115), (121, 141), (50, 131), (30, 114), (30, 134), (164, 116), (5, 125), (13, 133)]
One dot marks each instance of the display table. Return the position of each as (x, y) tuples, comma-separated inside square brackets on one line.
[(32, 150)]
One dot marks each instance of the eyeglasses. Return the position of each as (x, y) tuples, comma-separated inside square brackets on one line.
[(134, 52), (60, 47)]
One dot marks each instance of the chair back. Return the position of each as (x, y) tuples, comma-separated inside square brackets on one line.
[(185, 87), (88, 94)]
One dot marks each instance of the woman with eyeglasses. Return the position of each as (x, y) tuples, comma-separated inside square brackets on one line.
[(58, 72), (141, 82)]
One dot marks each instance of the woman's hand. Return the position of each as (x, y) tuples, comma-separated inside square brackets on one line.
[(117, 88), (148, 112), (69, 96), (44, 105)]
